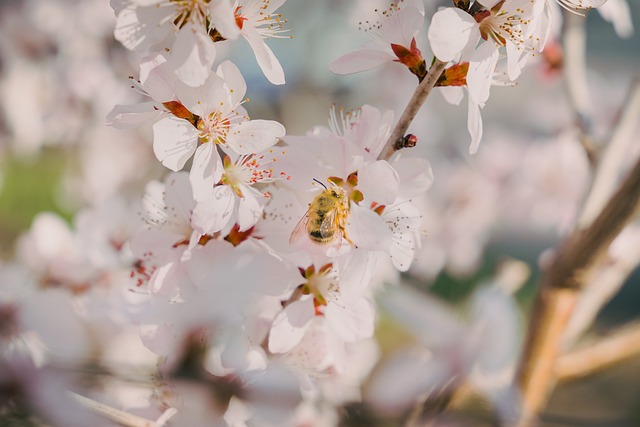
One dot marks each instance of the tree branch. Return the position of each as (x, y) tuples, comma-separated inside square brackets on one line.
[(559, 290), (415, 103), (620, 346)]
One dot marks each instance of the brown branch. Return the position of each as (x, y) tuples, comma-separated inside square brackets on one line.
[(415, 103), (560, 288), (622, 345)]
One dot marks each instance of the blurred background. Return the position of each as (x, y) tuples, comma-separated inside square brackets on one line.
[(61, 72)]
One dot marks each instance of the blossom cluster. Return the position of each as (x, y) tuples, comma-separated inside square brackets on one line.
[(246, 285)]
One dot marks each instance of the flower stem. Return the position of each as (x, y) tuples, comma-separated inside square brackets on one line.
[(415, 103)]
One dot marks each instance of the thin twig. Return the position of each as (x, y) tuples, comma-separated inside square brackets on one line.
[(559, 290), (604, 285), (608, 170), (575, 79), (121, 417), (415, 103), (620, 346)]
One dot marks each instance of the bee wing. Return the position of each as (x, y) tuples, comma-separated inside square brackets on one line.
[(301, 228), (330, 227)]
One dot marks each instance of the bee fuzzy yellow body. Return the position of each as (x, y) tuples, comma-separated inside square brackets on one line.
[(325, 220)]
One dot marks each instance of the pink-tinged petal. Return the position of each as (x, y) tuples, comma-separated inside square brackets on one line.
[(233, 80), (365, 58), (267, 61), (133, 116), (174, 141), (138, 29), (213, 214), (451, 30), (379, 182), (249, 212), (474, 125), (352, 323), (290, 325), (206, 171), (367, 230), (254, 136), (192, 55), (402, 26), (223, 19), (452, 94), (157, 78), (482, 67), (416, 175)]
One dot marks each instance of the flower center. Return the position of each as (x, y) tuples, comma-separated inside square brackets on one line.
[(214, 127)]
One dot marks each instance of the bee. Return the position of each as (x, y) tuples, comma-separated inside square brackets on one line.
[(325, 220)]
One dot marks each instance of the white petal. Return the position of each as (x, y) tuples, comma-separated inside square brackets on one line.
[(138, 29), (379, 182), (617, 12), (291, 324), (174, 141), (431, 321), (416, 175), (482, 66), (452, 94), (192, 55), (403, 378), (249, 212), (178, 196), (352, 323), (365, 58), (213, 214), (367, 229), (233, 80), (516, 59), (202, 100), (206, 171), (223, 19), (157, 78), (451, 30), (267, 61), (474, 125), (495, 330), (133, 116), (254, 136), (402, 26), (355, 269)]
